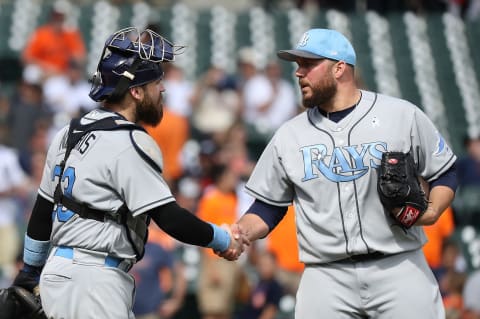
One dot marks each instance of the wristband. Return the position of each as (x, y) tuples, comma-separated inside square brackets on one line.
[(35, 252), (221, 239)]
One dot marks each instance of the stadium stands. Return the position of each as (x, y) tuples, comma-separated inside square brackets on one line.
[(422, 70), (432, 60)]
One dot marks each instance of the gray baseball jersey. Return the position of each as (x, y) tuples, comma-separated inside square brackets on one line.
[(104, 171), (328, 171)]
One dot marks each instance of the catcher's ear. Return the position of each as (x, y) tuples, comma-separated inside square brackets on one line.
[(137, 92)]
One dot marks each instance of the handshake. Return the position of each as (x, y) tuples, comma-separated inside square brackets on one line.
[(238, 242)]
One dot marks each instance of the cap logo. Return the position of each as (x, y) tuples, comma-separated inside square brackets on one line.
[(303, 41)]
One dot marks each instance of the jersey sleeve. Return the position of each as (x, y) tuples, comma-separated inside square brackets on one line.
[(269, 181), (47, 184), (139, 183), (435, 157)]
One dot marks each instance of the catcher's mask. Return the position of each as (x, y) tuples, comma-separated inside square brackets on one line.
[(130, 58)]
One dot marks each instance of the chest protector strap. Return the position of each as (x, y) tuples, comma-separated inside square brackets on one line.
[(136, 227)]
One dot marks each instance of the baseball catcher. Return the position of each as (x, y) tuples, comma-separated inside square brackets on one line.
[(399, 188), (19, 303)]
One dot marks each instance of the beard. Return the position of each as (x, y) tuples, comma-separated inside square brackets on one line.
[(322, 93), (148, 111)]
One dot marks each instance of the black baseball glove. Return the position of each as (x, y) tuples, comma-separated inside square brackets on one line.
[(399, 188), (19, 303), (8, 305)]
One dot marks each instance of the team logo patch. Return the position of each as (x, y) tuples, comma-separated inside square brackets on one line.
[(441, 145), (303, 41)]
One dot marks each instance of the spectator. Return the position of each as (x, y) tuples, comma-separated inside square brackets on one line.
[(283, 243), (54, 44), (68, 92), (268, 99), (206, 157), (258, 96), (467, 202), (246, 66), (26, 109), (471, 294), (468, 167), (265, 297), (37, 144), (437, 234), (453, 283), (159, 277), (187, 192), (284, 105), (216, 103), (234, 150), (178, 91), (218, 278), (4, 107), (171, 134), (14, 184), (452, 262)]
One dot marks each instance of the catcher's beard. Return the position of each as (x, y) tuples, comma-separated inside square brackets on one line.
[(322, 93), (148, 111)]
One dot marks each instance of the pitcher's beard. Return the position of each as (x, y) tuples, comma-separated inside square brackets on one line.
[(149, 112), (322, 94)]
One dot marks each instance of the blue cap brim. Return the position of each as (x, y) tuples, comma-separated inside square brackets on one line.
[(292, 55)]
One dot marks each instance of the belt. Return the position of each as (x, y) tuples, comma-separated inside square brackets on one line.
[(93, 258), (363, 257)]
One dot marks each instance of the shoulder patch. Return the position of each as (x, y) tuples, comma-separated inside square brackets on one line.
[(441, 145), (148, 149)]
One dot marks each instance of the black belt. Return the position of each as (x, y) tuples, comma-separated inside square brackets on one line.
[(364, 257)]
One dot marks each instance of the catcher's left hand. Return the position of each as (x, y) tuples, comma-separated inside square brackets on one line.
[(399, 188), (28, 277)]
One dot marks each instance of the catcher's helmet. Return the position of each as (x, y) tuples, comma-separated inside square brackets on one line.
[(130, 58)]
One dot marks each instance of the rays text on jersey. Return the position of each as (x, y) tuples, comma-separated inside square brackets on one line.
[(342, 164)]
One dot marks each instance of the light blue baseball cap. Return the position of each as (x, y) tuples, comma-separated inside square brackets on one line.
[(319, 44)]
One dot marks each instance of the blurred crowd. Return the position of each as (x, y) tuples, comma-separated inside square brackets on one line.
[(467, 9), (212, 133)]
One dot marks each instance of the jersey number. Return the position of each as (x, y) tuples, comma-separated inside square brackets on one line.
[(69, 174)]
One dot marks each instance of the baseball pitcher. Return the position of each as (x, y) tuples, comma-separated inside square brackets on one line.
[(351, 164)]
